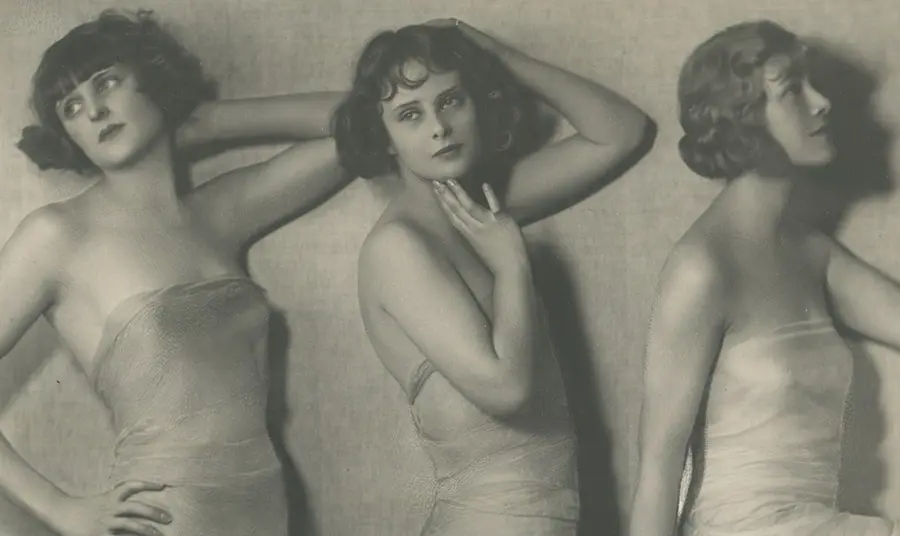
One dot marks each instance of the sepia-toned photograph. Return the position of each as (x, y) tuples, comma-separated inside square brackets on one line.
[(411, 268)]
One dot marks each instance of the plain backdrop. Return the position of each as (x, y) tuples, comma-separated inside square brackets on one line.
[(345, 423)]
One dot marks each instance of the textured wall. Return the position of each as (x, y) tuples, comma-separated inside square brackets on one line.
[(348, 428)]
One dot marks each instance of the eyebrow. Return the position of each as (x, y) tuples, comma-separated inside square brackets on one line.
[(417, 101)]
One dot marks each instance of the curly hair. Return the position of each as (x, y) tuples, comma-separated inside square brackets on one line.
[(507, 113), (166, 72), (722, 99)]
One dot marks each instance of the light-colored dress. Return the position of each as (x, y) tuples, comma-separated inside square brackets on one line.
[(497, 477), (767, 462), (183, 371)]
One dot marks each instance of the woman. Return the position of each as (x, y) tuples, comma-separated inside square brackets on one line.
[(145, 287), (742, 344), (445, 286)]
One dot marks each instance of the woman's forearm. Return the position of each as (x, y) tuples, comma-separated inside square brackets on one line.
[(27, 487), (654, 511), (516, 320), (300, 116), (595, 111)]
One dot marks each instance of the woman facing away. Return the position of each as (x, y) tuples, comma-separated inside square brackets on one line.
[(445, 285), (744, 367), (145, 287)]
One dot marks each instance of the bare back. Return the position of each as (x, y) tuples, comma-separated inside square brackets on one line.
[(771, 279)]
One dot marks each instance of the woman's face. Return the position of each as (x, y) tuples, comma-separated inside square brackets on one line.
[(796, 114), (109, 119), (433, 128)]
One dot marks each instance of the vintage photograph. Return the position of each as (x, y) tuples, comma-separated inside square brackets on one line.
[(407, 268)]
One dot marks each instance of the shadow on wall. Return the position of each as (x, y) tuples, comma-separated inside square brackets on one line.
[(861, 171), (599, 504), (301, 521)]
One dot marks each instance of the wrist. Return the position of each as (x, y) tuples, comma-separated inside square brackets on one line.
[(519, 268), (52, 507)]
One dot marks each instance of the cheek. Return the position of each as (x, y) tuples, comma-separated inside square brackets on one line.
[(79, 132)]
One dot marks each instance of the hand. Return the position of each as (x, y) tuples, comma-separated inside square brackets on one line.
[(495, 236), (112, 512), (481, 39), (449, 22)]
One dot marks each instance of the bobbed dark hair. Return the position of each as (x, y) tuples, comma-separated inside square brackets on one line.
[(507, 112), (166, 72)]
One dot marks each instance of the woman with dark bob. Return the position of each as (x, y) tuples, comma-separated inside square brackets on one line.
[(745, 369), (445, 284), (145, 287)]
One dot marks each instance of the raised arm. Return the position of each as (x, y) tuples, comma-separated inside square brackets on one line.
[(686, 330), (863, 298), (247, 202), (608, 130), (490, 363)]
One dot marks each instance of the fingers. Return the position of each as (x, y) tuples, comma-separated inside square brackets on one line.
[(454, 215), (443, 23), (126, 490), (123, 525), (143, 511), (450, 200), (491, 197), (470, 206)]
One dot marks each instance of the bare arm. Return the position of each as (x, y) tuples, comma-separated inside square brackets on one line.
[(29, 267), (863, 298), (247, 202), (686, 330), (300, 117), (28, 263), (491, 365), (608, 130)]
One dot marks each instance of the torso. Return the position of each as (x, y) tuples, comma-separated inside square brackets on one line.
[(115, 254), (398, 353)]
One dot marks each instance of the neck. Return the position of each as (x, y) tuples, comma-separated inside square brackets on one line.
[(416, 199), (148, 181), (768, 203)]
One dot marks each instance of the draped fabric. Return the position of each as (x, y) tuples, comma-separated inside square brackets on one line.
[(767, 463), (183, 371)]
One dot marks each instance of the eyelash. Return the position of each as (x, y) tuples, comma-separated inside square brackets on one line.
[(102, 85), (408, 115)]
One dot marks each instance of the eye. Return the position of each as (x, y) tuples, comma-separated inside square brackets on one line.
[(71, 107), (452, 100), (409, 115), (108, 82)]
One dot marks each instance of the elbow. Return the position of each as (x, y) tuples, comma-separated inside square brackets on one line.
[(509, 398), (638, 134)]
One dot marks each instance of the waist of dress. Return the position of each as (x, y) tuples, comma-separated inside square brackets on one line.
[(187, 461), (743, 487), (537, 479)]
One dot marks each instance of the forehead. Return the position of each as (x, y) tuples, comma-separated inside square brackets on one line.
[(782, 67), (71, 81), (420, 83)]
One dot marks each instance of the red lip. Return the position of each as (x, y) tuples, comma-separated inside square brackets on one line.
[(108, 131), (448, 149)]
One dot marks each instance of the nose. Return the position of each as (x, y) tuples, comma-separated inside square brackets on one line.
[(96, 108), (819, 103), (441, 127)]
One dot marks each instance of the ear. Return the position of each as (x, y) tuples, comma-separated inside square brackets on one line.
[(391, 150)]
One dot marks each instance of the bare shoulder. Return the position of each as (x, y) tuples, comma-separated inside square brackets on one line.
[(396, 258), (51, 228), (392, 247), (693, 282)]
